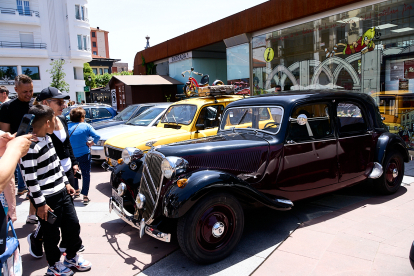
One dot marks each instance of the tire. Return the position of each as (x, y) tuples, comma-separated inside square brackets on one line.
[(194, 230), (390, 180)]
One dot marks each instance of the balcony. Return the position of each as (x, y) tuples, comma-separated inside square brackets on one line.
[(7, 44), (23, 49), (16, 16)]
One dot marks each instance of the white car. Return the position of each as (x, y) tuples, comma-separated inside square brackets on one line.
[(142, 122)]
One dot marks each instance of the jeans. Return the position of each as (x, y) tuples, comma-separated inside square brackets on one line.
[(85, 167), (68, 222), (20, 182)]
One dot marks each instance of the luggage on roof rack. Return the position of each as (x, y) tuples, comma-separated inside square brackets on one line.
[(210, 91)]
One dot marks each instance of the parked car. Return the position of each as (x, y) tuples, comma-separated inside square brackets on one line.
[(269, 150), (187, 119), (140, 124), (124, 116), (94, 112)]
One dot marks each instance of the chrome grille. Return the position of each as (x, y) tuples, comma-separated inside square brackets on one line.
[(113, 153), (151, 182)]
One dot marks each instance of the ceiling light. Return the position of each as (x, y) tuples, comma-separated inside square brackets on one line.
[(385, 26), (406, 29), (350, 20)]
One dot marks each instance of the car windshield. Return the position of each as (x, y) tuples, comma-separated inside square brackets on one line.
[(66, 110), (146, 117), (126, 113), (266, 118), (180, 114)]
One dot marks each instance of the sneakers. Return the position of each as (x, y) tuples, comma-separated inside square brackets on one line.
[(32, 219), (63, 249), (78, 262), (22, 192), (59, 270), (35, 247)]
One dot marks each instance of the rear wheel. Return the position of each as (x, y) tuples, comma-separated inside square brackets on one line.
[(390, 180), (211, 229)]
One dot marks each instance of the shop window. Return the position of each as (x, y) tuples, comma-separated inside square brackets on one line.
[(31, 71), (7, 72)]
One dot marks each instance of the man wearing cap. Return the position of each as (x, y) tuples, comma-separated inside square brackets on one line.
[(11, 114)]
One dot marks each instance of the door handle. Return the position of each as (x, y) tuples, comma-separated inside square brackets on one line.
[(290, 142)]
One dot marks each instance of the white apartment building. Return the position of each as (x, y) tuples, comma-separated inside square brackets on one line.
[(35, 32)]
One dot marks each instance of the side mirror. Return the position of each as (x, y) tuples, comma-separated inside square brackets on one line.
[(199, 126), (302, 119)]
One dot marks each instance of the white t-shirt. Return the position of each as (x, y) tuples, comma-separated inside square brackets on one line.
[(65, 163)]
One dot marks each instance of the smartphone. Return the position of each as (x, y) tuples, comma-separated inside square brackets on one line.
[(51, 218), (25, 124)]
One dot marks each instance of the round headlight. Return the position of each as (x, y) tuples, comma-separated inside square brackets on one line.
[(129, 154), (173, 165), (121, 189), (140, 201)]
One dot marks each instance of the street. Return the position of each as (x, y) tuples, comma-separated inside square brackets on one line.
[(114, 248)]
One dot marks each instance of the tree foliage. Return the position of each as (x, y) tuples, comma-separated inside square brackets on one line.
[(88, 72), (150, 67), (102, 80), (58, 75)]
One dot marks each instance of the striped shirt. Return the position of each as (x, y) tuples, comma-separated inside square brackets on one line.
[(42, 171)]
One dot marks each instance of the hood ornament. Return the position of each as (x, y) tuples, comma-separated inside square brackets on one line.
[(150, 144)]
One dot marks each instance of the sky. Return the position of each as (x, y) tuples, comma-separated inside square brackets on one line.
[(130, 21)]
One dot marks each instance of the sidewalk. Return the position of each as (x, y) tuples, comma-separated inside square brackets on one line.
[(371, 237)]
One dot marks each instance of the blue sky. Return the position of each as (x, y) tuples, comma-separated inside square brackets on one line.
[(130, 21)]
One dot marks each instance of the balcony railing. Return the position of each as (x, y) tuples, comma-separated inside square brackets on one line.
[(7, 44), (19, 12)]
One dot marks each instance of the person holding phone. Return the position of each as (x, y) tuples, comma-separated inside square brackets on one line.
[(51, 192)]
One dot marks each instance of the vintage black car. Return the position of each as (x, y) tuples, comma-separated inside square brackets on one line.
[(270, 150)]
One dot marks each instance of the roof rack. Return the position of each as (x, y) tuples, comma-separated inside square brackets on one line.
[(210, 91)]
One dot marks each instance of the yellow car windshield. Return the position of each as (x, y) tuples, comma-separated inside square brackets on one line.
[(179, 114)]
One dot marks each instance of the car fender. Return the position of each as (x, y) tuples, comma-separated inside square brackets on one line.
[(124, 173), (177, 201), (388, 141)]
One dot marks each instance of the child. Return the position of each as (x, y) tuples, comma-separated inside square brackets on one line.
[(51, 191)]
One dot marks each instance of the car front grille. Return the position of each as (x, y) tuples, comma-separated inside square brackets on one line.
[(151, 182), (113, 153)]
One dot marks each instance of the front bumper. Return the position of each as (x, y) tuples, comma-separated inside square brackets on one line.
[(98, 153), (128, 218)]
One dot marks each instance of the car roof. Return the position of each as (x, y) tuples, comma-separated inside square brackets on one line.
[(287, 99), (200, 101)]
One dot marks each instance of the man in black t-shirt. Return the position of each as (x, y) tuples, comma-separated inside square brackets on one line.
[(11, 114)]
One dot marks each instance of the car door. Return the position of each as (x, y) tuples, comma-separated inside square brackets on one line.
[(309, 153), (355, 140), (100, 114), (208, 121)]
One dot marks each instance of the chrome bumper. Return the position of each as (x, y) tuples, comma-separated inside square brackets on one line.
[(98, 151), (128, 218)]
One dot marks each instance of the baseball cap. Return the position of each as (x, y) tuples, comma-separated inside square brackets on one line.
[(51, 92)]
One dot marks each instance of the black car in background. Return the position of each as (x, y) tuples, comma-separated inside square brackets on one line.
[(125, 115)]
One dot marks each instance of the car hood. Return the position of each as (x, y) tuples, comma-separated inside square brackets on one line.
[(139, 139), (106, 123), (108, 132)]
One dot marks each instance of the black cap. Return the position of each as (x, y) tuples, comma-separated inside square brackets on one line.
[(51, 93)]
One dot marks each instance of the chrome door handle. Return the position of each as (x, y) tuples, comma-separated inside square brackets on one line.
[(290, 142)]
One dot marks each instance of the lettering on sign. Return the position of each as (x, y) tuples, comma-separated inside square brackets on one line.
[(181, 57)]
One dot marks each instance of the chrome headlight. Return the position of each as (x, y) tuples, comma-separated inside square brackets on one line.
[(129, 154), (173, 165), (106, 151), (101, 143), (121, 189), (140, 201)]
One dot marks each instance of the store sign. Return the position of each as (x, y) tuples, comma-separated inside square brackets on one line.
[(113, 99), (180, 57), (86, 89), (6, 81)]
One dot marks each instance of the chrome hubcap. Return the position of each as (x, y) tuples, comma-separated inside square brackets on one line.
[(394, 173), (218, 229)]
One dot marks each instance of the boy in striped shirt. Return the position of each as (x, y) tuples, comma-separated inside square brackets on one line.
[(51, 191)]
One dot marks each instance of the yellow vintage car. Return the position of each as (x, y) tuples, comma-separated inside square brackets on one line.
[(187, 119)]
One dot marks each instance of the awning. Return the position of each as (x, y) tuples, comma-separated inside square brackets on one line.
[(146, 80)]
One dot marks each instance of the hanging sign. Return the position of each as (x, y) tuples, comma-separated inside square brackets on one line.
[(113, 99), (269, 54)]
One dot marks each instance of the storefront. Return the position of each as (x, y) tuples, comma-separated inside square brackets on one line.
[(368, 50)]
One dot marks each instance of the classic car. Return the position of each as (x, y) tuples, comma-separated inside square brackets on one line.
[(187, 119), (94, 112), (269, 151), (124, 116), (147, 119)]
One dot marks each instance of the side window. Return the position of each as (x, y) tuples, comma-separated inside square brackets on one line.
[(318, 126), (142, 109), (100, 113), (88, 114), (350, 119), (209, 116)]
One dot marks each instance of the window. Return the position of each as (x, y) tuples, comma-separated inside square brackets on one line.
[(93, 34), (23, 7), (209, 116), (77, 12), (95, 71), (350, 119), (180, 114), (31, 71), (100, 113), (79, 42), (318, 126), (83, 12), (100, 71), (9, 72), (106, 70), (74, 73), (93, 43), (145, 118), (95, 53), (85, 46)]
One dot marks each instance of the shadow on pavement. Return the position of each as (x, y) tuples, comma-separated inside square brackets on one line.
[(104, 188)]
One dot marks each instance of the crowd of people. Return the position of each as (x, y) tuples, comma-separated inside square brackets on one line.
[(46, 164)]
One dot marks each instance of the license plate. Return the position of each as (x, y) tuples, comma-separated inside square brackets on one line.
[(117, 199)]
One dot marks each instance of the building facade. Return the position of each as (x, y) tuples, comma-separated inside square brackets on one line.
[(361, 46), (33, 33)]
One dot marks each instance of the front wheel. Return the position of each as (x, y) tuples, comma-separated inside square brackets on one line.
[(391, 178), (211, 229)]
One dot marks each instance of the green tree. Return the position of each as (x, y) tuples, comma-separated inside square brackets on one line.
[(122, 73), (58, 75), (87, 72), (102, 80)]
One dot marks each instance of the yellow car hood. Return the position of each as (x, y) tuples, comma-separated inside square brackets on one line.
[(138, 140)]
